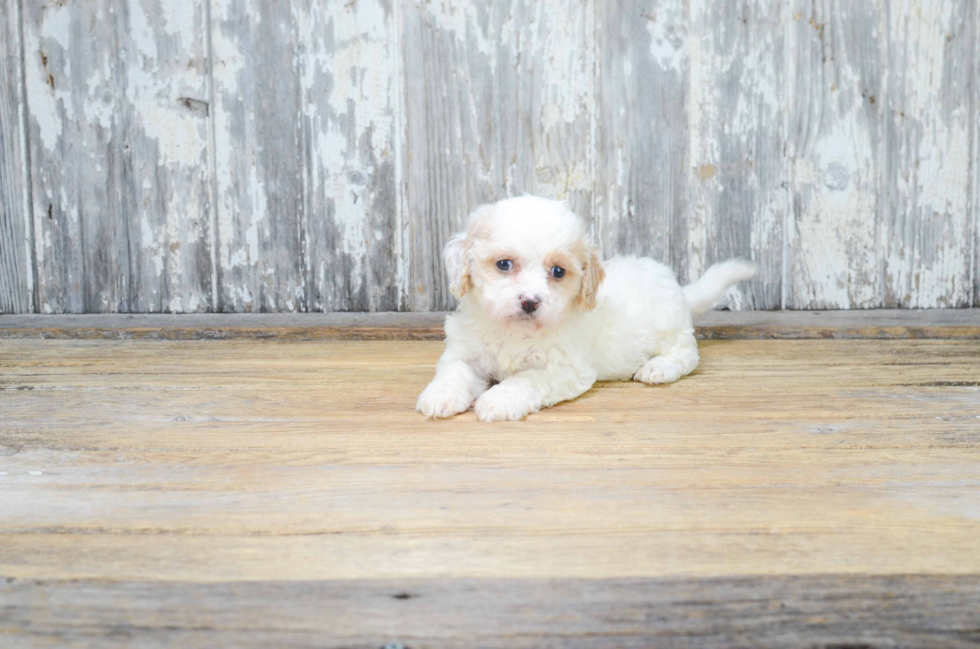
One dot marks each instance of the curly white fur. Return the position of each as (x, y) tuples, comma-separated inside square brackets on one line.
[(539, 339)]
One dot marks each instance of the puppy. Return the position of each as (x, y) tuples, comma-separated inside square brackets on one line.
[(541, 318)]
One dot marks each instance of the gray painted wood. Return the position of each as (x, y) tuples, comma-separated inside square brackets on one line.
[(778, 611), (928, 113), (880, 138), (117, 92), (975, 155), (643, 134), (834, 146), (305, 135), (499, 101), (16, 265), (878, 324), (837, 144), (737, 169)]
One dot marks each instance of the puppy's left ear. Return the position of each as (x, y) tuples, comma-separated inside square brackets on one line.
[(592, 277)]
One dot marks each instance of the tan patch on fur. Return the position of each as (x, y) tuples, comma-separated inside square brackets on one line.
[(593, 274)]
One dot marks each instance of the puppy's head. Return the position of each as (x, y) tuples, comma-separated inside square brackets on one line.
[(526, 261)]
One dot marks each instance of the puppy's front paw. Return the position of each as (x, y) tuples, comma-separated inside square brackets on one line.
[(502, 404), (439, 402), (657, 370)]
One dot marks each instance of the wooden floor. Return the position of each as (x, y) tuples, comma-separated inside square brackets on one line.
[(263, 493)]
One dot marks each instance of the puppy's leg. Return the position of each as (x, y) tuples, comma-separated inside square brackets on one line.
[(452, 390), (677, 359), (518, 396)]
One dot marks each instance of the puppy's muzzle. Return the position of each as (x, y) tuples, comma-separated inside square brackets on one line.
[(530, 305)]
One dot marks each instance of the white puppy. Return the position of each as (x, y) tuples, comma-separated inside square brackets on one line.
[(538, 323)]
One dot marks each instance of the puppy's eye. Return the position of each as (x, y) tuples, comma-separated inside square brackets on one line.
[(505, 265), (557, 272)]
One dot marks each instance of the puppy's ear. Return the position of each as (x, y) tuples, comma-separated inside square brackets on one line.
[(592, 277), (457, 252), (456, 255)]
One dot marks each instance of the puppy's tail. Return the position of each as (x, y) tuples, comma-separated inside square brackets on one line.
[(703, 294)]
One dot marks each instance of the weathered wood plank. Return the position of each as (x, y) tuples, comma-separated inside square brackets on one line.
[(643, 140), (975, 157), (835, 148), (737, 170), (248, 493), (259, 160), (215, 461), (351, 138), (958, 324), (16, 241), (500, 101), (351, 111), (928, 115), (118, 132), (305, 124), (824, 610)]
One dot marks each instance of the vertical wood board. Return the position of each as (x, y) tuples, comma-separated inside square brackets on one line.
[(16, 265), (643, 137), (321, 158), (499, 101), (927, 229), (118, 133), (304, 121), (737, 169), (834, 147)]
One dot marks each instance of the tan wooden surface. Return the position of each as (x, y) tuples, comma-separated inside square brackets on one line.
[(210, 461), (882, 324)]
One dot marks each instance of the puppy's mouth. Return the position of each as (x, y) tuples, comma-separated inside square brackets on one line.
[(523, 319)]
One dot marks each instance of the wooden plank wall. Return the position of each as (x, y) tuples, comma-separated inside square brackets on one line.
[(16, 265), (310, 155)]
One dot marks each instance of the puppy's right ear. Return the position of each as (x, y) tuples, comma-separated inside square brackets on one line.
[(457, 257), (458, 251)]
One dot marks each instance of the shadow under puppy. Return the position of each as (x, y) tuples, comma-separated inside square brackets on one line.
[(541, 318)]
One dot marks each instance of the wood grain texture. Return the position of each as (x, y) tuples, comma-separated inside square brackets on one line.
[(214, 461), (825, 611), (170, 492), (882, 324), (835, 149), (928, 113), (16, 264), (499, 101), (259, 164), (975, 158), (643, 143), (117, 93), (737, 171), (836, 143), (305, 125), (881, 160)]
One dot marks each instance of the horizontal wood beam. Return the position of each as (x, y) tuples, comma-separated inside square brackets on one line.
[(959, 324), (814, 610)]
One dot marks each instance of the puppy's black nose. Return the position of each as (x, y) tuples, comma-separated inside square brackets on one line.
[(529, 305)]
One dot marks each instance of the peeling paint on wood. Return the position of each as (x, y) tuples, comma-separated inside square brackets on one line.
[(928, 114), (119, 164), (319, 160), (499, 99), (16, 266), (834, 152), (737, 194), (644, 155), (880, 152), (975, 153), (304, 121)]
